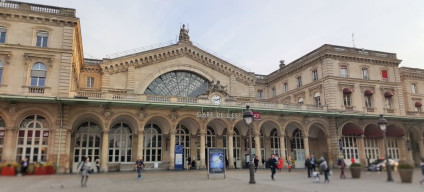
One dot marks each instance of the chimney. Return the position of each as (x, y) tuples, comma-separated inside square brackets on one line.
[(282, 65)]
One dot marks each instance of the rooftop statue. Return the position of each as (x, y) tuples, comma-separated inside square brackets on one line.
[(184, 34)]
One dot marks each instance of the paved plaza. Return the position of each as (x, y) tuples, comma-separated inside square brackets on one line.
[(236, 180)]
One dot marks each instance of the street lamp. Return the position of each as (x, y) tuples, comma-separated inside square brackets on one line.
[(383, 125), (248, 119)]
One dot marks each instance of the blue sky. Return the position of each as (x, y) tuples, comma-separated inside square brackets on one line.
[(254, 34)]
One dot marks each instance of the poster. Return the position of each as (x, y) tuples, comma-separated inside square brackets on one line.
[(216, 161), (179, 163)]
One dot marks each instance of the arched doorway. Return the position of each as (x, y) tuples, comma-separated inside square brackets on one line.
[(152, 143), (350, 134), (87, 143), (318, 142), (182, 137), (394, 135), (373, 136), (298, 148), (33, 137), (275, 142), (120, 143)]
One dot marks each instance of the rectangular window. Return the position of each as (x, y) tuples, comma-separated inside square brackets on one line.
[(299, 81), (317, 100), (260, 94), (274, 92), (343, 71), (90, 82), (286, 88), (365, 74), (2, 35), (388, 102), (413, 88), (368, 102), (42, 38), (315, 75), (384, 75), (347, 99)]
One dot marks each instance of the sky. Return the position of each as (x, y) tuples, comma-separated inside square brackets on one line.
[(253, 34)]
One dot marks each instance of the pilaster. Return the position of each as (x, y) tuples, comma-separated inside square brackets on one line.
[(105, 150)]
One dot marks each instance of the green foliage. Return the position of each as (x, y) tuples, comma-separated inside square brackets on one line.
[(405, 166), (355, 165)]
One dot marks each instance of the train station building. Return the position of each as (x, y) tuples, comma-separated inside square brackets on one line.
[(57, 106)]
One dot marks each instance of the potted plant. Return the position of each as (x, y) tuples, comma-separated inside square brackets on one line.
[(355, 170), (39, 169), (9, 169), (50, 168), (405, 171)]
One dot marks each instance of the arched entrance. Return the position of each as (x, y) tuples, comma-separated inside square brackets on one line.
[(298, 148), (394, 135), (318, 142), (87, 142), (350, 135), (120, 143), (33, 137), (182, 137), (152, 150), (373, 136)]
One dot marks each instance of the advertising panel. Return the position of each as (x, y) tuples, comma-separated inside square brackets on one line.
[(216, 161), (178, 159)]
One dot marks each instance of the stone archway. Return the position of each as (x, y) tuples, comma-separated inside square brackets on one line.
[(318, 145), (295, 144), (351, 135)]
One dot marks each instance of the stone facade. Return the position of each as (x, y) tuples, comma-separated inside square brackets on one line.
[(325, 103)]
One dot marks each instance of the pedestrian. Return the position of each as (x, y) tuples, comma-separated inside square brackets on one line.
[(308, 165), (98, 165), (352, 160), (263, 163), (313, 162), (85, 170), (341, 163), (193, 164), (422, 170), (272, 165), (226, 161), (189, 162), (24, 165), (256, 161), (139, 165), (289, 163), (280, 164), (323, 166)]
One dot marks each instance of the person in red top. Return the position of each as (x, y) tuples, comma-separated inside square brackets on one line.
[(352, 160), (280, 164)]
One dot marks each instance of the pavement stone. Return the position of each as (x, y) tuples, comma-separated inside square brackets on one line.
[(236, 180)]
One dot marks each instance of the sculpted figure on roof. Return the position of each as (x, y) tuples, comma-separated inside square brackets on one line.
[(184, 34)]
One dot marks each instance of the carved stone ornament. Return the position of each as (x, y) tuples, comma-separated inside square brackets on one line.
[(142, 114), (31, 58), (6, 55), (173, 115)]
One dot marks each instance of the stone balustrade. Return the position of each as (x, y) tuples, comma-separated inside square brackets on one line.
[(28, 7)]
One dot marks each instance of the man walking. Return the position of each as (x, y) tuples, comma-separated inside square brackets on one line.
[(272, 163), (313, 162), (139, 164), (256, 161)]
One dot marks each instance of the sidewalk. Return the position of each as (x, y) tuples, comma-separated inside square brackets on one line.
[(236, 180)]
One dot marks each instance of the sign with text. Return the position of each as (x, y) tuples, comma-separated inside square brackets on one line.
[(179, 149), (219, 115), (216, 161), (256, 115)]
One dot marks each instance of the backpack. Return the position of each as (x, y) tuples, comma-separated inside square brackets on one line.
[(323, 166)]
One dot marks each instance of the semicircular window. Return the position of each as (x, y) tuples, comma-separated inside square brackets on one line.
[(178, 83)]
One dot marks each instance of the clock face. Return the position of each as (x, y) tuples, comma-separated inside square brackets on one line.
[(216, 100)]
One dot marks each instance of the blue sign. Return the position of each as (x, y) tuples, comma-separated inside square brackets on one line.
[(216, 161), (178, 159)]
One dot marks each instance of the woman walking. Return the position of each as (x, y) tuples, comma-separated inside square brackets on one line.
[(85, 170)]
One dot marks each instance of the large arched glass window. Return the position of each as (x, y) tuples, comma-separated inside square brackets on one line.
[(1, 72), (182, 137), (152, 143), (210, 137), (178, 83), (38, 75), (275, 142), (33, 138), (120, 140), (2, 135), (87, 142)]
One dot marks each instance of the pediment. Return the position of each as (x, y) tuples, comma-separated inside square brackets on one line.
[(159, 55)]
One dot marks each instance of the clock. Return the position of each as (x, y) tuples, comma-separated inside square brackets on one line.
[(216, 99)]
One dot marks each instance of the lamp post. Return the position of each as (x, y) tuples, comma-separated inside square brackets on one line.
[(383, 125), (248, 119)]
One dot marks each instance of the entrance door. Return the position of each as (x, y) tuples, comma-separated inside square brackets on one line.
[(300, 158), (350, 149), (87, 144)]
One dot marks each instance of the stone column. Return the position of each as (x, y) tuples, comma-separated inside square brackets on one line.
[(283, 149), (230, 150), (105, 150), (172, 148), (330, 154), (306, 145), (361, 150), (140, 144), (9, 144), (421, 146), (68, 150), (202, 149), (258, 148)]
